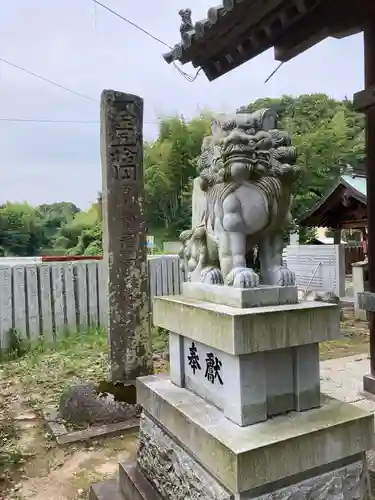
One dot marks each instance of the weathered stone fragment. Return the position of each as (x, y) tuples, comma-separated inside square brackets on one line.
[(83, 405)]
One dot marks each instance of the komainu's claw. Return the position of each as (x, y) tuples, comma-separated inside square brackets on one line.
[(212, 276), (242, 277), (284, 277)]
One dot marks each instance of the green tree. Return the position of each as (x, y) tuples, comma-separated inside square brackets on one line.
[(83, 234), (55, 215), (170, 166), (328, 135), (21, 229)]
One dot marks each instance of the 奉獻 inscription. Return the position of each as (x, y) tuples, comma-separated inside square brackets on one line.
[(213, 365), (194, 358)]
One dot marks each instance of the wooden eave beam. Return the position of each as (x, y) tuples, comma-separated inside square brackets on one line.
[(223, 64), (364, 100), (353, 224), (311, 30), (254, 40), (246, 15), (343, 33), (354, 23), (324, 21), (219, 23)]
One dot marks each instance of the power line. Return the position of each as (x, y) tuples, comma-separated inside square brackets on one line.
[(274, 72), (47, 80), (42, 120), (132, 23), (190, 78), (37, 120)]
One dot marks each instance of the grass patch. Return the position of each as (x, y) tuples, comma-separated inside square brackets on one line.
[(36, 378), (40, 375), (10, 455), (45, 371), (344, 347), (159, 338), (355, 340)]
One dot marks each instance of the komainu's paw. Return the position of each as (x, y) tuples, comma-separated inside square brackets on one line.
[(284, 277), (211, 276), (242, 277)]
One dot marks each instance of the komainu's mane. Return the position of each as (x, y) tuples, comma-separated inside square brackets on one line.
[(280, 171)]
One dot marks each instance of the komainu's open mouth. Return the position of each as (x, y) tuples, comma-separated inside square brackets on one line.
[(242, 152)]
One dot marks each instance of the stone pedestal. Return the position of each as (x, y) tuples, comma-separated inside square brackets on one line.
[(241, 416), (358, 280), (265, 360)]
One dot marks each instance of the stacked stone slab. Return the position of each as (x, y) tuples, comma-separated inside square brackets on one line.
[(241, 415)]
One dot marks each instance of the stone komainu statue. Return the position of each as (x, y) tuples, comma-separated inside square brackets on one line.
[(247, 174)]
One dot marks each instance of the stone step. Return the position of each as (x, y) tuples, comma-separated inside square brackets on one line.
[(105, 490), (134, 485)]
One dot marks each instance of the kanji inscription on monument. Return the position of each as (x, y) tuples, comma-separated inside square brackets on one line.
[(213, 367), (124, 235), (193, 358)]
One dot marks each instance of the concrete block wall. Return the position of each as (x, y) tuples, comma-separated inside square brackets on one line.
[(304, 261), (50, 299)]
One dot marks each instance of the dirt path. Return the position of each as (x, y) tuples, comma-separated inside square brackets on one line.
[(32, 465), (38, 469)]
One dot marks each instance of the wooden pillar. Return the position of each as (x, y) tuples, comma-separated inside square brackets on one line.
[(369, 38), (369, 303), (337, 236)]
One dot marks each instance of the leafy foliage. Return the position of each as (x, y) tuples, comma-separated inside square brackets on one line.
[(21, 229), (170, 166), (328, 135)]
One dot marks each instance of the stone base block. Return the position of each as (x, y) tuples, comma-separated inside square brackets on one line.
[(241, 297), (217, 351), (130, 485), (184, 441), (245, 331), (176, 475), (133, 485), (286, 379), (105, 490), (369, 383), (347, 482), (172, 470)]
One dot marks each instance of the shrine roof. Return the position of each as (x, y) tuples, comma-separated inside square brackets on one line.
[(345, 204), (358, 184), (239, 30)]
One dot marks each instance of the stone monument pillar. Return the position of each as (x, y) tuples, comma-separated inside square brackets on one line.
[(240, 415), (198, 203), (99, 203), (124, 236)]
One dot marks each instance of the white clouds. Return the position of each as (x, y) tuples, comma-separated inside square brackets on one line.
[(61, 41)]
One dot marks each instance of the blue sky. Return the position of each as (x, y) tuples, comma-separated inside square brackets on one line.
[(86, 48)]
